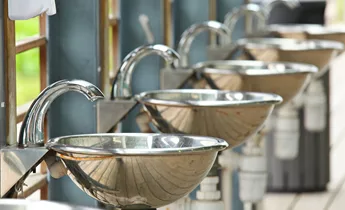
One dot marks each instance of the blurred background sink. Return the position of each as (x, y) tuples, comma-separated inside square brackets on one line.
[(232, 116), (281, 78)]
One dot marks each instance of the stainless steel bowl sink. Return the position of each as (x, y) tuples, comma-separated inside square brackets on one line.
[(315, 52), (137, 171), (232, 116), (17, 204), (282, 78)]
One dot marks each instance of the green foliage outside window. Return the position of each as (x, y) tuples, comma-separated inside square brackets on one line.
[(27, 63)]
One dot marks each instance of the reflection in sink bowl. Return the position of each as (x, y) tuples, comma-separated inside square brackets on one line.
[(314, 52), (233, 116), (282, 78), (137, 171), (290, 44), (294, 27), (16, 204)]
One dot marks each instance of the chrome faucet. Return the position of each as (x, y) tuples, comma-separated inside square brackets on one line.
[(233, 16), (189, 35), (122, 83), (268, 5), (31, 132)]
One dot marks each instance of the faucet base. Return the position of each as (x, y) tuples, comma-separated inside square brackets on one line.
[(174, 78), (119, 108)]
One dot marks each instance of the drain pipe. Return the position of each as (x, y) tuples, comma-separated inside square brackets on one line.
[(287, 127), (315, 107), (229, 161), (286, 135), (253, 171), (208, 196)]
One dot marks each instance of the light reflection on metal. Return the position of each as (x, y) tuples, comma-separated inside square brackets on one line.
[(190, 33), (254, 10)]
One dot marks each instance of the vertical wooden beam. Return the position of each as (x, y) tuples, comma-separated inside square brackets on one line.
[(212, 13), (167, 14), (104, 45), (212, 9), (10, 80), (43, 54), (115, 36), (168, 26), (3, 94)]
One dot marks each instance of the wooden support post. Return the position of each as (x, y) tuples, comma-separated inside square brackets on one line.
[(10, 73)]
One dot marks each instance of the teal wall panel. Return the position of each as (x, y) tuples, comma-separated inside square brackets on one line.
[(72, 54), (146, 74), (186, 14)]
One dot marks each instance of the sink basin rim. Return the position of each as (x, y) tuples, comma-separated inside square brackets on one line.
[(22, 202), (314, 29), (266, 98), (253, 68), (292, 45), (53, 144), (292, 28)]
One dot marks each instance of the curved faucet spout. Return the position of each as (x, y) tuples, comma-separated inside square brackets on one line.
[(190, 33), (31, 131), (234, 15), (122, 83), (268, 5)]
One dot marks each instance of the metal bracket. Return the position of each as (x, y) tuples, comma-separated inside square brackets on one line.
[(220, 52), (174, 78), (264, 34), (111, 112), (17, 163), (228, 52)]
